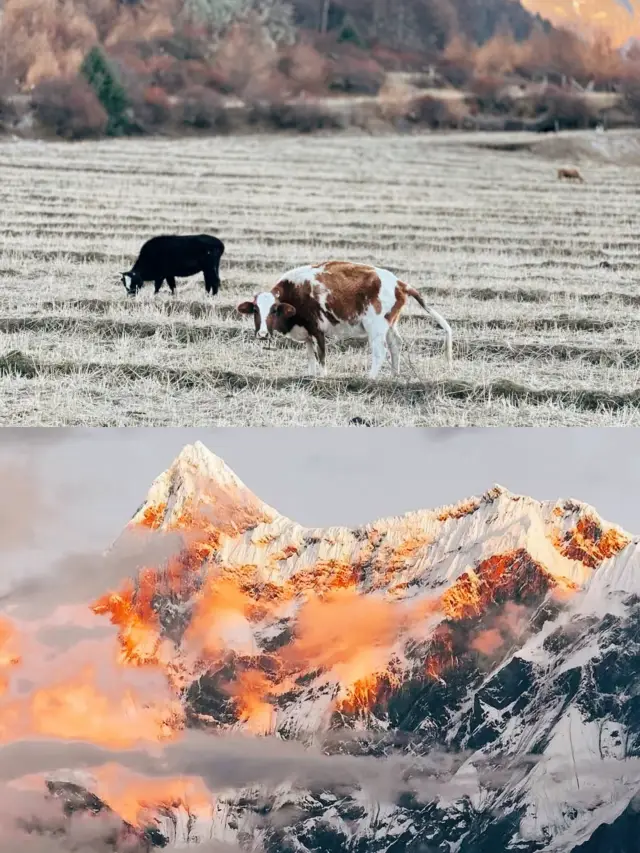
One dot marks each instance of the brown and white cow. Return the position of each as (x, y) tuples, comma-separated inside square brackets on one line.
[(570, 175), (338, 299)]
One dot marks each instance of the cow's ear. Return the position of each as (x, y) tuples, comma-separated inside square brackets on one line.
[(285, 310), (246, 308)]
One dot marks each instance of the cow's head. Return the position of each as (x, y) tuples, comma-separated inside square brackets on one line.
[(132, 282), (269, 315)]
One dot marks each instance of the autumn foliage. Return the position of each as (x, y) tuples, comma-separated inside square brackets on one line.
[(155, 67), (69, 108)]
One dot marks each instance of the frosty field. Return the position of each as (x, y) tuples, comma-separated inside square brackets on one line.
[(537, 278)]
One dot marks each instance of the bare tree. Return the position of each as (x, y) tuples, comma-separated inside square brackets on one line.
[(324, 15)]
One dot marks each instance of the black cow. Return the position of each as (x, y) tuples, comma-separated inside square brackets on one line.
[(168, 256)]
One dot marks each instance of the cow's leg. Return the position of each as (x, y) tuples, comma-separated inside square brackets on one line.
[(376, 327), (171, 281), (394, 342), (211, 279), (322, 351), (157, 285), (312, 360)]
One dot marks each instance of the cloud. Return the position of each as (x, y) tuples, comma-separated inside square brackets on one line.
[(24, 509), (442, 434), (41, 755), (65, 637), (230, 761), (487, 642), (19, 437), (34, 822), (81, 578)]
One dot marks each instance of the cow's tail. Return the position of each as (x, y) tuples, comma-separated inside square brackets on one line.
[(438, 318)]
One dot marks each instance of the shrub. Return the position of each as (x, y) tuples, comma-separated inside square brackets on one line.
[(185, 45), (69, 108), (201, 74), (430, 112), (458, 61), (302, 117), (275, 17), (101, 76), (305, 68), (566, 110), (355, 76), (203, 109), (156, 107), (168, 73), (9, 114), (245, 57), (489, 92), (631, 94)]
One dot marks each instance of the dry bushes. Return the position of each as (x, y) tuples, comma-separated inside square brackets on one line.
[(558, 108), (42, 39), (202, 109), (491, 95), (434, 113), (155, 109), (305, 68), (355, 76), (69, 109), (556, 56), (298, 116), (174, 73), (631, 94)]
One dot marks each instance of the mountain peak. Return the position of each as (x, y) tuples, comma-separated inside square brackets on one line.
[(200, 485), (197, 458), (499, 626)]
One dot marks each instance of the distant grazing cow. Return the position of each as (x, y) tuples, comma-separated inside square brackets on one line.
[(570, 175), (338, 299), (171, 256)]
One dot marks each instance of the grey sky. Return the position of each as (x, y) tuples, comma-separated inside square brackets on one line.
[(90, 482)]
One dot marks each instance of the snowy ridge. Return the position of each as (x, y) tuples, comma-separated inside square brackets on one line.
[(533, 647)]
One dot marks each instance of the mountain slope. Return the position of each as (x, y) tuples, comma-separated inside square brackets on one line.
[(617, 18), (503, 630)]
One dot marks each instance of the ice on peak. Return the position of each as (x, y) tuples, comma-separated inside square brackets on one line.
[(197, 459), (195, 476)]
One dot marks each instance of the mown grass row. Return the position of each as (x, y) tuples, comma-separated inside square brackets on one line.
[(19, 364)]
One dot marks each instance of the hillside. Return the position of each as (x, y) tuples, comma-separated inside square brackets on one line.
[(501, 634), (618, 18), (83, 69)]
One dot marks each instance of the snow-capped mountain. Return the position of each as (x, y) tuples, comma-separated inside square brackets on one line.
[(503, 630)]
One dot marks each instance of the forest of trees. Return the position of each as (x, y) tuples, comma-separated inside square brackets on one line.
[(87, 68), (417, 24)]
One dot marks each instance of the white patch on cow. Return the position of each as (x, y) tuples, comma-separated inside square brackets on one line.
[(376, 326), (264, 302), (313, 366), (299, 334), (388, 282), (299, 275), (394, 342)]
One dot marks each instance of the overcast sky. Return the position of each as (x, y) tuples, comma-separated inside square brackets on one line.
[(80, 486)]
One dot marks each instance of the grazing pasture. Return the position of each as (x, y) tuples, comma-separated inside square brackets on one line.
[(537, 277)]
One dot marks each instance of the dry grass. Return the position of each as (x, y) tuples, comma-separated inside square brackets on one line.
[(537, 277)]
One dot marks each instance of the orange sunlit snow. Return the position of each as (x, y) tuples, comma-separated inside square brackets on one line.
[(321, 627)]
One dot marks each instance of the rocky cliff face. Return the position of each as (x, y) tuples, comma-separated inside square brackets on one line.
[(502, 630)]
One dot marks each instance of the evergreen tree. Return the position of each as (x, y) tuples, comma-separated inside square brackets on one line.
[(102, 77)]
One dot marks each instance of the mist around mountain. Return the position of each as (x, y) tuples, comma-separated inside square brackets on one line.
[(462, 679)]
